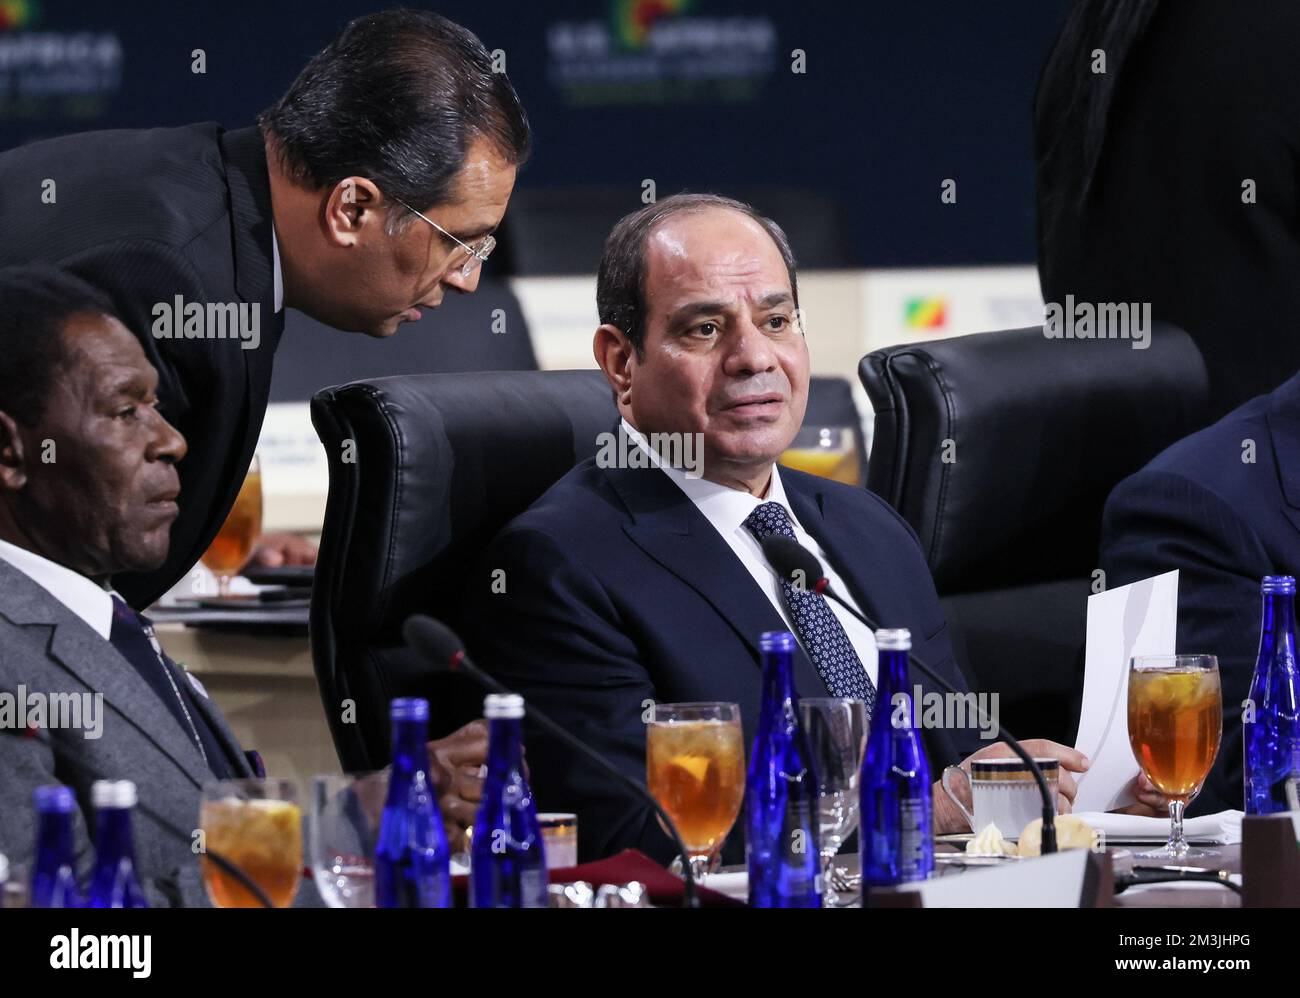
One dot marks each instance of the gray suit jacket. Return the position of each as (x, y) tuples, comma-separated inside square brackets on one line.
[(47, 649)]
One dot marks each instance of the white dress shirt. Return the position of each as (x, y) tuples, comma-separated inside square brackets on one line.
[(279, 274), (83, 596), (727, 508)]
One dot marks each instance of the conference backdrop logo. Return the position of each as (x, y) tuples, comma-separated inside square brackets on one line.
[(17, 13), (47, 73), (660, 51), (925, 313)]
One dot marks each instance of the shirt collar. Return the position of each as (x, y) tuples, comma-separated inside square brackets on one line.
[(82, 596), (724, 507), (279, 275)]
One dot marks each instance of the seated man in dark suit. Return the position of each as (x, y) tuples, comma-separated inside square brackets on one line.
[(627, 585), (1223, 507), (88, 488)]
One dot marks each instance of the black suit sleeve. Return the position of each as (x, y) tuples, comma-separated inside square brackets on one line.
[(1155, 522), (555, 636)]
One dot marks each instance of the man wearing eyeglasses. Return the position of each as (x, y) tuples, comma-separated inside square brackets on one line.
[(368, 192)]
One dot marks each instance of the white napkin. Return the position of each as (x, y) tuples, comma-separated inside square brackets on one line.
[(733, 884), (1223, 828)]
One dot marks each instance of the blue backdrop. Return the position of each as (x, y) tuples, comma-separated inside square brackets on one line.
[(895, 98)]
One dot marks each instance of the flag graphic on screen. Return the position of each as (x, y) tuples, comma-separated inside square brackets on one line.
[(633, 19), (925, 313), (17, 13)]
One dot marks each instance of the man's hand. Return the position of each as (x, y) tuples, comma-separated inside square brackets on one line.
[(274, 550), (1150, 801), (457, 766), (948, 818)]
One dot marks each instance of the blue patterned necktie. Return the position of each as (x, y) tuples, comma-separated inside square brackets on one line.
[(820, 631)]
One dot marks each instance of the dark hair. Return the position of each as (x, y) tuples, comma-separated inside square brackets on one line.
[(620, 282), (36, 303), (396, 97), (1073, 104)]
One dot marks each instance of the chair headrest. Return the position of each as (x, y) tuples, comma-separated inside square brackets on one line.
[(1000, 448), (424, 470)]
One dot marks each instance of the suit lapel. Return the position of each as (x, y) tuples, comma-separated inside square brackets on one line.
[(229, 743), (97, 665), (816, 507), (1284, 435), (668, 527)]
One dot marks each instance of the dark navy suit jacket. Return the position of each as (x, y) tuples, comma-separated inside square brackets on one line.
[(1223, 507), (619, 592)]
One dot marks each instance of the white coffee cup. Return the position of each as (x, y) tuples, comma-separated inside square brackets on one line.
[(1003, 792)]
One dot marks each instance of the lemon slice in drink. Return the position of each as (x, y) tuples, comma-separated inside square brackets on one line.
[(695, 765)]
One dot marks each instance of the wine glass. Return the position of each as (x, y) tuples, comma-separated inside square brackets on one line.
[(257, 826), (828, 451), (836, 729), (1175, 723), (341, 834), (695, 766), (230, 549)]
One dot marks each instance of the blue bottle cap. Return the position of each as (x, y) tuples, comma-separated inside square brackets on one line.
[(503, 706), (54, 799), (1278, 585), (776, 641), (113, 793), (409, 709), (894, 639)]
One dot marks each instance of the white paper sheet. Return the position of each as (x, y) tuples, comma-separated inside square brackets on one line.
[(1138, 619)]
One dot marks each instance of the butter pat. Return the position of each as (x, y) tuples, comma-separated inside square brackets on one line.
[(989, 842), (1071, 833)]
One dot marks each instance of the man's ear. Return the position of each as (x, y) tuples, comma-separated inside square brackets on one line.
[(13, 460), (351, 203), (614, 353)]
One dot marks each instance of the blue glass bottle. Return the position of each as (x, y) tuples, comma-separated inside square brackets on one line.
[(54, 870), (412, 857), (1271, 721), (508, 857), (781, 845), (114, 882), (895, 831)]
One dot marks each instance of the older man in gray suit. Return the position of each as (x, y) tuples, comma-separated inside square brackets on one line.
[(88, 488)]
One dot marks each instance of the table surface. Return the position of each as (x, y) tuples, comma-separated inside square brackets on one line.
[(1188, 895)]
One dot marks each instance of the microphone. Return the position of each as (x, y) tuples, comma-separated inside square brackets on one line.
[(440, 643), (796, 564), (222, 863)]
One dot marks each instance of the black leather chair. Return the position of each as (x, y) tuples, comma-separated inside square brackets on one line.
[(485, 331), (1036, 433), (438, 464)]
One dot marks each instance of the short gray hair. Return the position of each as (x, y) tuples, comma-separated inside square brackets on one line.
[(620, 282)]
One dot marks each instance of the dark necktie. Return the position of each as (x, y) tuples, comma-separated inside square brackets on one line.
[(132, 635), (819, 630)]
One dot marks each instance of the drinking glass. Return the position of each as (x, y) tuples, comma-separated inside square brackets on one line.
[(257, 825), (828, 451), (1175, 722), (342, 828), (229, 550), (695, 768), (836, 729)]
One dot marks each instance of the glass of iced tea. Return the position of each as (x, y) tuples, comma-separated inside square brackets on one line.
[(695, 766), (1175, 723), (257, 825), (828, 451), (230, 549)]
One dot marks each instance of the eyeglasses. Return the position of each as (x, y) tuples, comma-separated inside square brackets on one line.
[(476, 254)]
